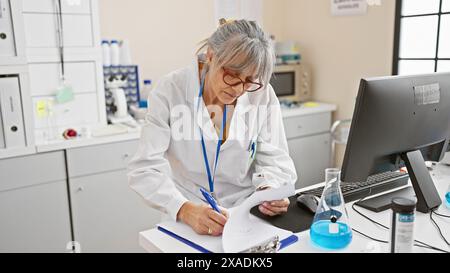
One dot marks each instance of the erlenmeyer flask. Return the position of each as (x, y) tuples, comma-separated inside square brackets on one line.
[(330, 228)]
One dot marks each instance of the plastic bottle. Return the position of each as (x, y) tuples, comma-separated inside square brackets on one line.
[(115, 53), (125, 55), (402, 226), (145, 92), (106, 53)]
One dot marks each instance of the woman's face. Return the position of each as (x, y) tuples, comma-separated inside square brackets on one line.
[(228, 85)]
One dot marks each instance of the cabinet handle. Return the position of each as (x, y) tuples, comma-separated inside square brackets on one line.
[(299, 127), (80, 189), (125, 156)]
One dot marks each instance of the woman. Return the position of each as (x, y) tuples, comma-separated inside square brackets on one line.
[(216, 125)]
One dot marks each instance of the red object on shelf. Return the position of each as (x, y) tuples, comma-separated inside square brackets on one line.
[(70, 133)]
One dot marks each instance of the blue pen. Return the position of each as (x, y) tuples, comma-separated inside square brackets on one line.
[(210, 200)]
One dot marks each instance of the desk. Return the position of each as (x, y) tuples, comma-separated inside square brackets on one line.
[(155, 241)]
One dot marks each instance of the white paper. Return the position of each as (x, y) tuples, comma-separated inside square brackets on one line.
[(243, 231), (348, 7)]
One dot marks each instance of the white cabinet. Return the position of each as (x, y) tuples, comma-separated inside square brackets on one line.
[(311, 157), (107, 214), (34, 207), (309, 141)]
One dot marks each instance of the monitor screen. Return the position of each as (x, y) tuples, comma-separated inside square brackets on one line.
[(283, 83)]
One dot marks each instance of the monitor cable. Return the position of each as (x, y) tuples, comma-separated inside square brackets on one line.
[(437, 226), (417, 242)]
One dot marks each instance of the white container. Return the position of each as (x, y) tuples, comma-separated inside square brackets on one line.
[(125, 54), (115, 53), (106, 50), (145, 91)]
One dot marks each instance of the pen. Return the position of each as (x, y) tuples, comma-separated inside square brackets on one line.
[(210, 200)]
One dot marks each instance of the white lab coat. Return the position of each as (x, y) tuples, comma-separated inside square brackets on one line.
[(168, 170)]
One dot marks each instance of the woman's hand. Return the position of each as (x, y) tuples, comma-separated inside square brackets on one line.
[(273, 208), (203, 219)]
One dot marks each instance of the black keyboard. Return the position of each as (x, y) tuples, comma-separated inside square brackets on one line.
[(375, 184)]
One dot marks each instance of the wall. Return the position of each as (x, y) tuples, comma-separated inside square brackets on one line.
[(341, 50), (163, 35)]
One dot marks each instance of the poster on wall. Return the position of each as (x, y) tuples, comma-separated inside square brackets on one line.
[(348, 7)]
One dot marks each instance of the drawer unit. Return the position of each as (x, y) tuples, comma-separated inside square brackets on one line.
[(32, 170), (307, 125), (101, 158)]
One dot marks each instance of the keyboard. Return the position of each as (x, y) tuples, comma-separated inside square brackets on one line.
[(375, 184)]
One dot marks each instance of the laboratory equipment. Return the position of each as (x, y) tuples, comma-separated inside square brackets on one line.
[(106, 52), (115, 85), (387, 111), (115, 53), (402, 225), (12, 130), (287, 52), (125, 54), (145, 92), (131, 89), (330, 228), (292, 82)]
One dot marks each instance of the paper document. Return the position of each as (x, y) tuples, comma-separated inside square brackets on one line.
[(243, 230)]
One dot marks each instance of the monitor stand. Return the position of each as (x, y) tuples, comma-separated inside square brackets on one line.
[(383, 202), (425, 192), (427, 195)]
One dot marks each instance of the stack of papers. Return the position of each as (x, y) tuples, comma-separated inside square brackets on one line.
[(242, 231)]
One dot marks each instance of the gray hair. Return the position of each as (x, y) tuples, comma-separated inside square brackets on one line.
[(242, 46)]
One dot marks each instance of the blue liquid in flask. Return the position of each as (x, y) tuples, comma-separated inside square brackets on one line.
[(447, 199), (323, 236)]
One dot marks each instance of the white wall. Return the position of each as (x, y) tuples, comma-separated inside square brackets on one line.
[(164, 34), (341, 50)]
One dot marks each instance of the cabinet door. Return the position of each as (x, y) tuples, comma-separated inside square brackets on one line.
[(35, 219), (107, 214), (311, 157)]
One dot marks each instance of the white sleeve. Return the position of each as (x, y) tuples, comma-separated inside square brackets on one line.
[(273, 165), (148, 171)]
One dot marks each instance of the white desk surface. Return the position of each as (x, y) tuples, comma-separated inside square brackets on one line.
[(156, 241)]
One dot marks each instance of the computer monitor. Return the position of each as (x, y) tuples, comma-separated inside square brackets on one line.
[(400, 121)]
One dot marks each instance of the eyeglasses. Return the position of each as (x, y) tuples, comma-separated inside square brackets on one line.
[(233, 81)]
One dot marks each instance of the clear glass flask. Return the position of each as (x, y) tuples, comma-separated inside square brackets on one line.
[(447, 197), (330, 228)]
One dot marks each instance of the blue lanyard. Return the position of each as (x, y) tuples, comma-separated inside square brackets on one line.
[(219, 143)]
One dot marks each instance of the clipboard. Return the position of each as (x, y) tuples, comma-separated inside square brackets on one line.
[(272, 245)]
